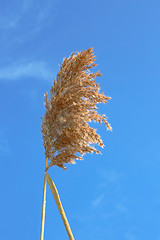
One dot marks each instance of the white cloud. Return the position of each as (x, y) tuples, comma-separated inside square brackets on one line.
[(4, 146), (33, 69), (26, 11), (112, 176), (26, 4), (96, 202), (33, 16), (45, 12), (8, 23), (130, 236), (121, 208), (109, 177)]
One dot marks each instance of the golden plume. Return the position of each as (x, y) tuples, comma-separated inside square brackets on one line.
[(72, 104)]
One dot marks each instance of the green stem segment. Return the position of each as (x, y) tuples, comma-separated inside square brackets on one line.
[(44, 203), (59, 205)]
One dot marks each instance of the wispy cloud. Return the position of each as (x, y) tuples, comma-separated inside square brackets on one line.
[(32, 69), (8, 23), (4, 146), (130, 236), (121, 208), (26, 19), (26, 12), (96, 202), (112, 176), (109, 177), (44, 13)]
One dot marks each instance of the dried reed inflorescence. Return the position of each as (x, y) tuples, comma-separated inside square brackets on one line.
[(72, 104)]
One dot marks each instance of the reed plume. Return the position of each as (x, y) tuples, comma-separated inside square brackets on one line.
[(67, 135), (72, 104)]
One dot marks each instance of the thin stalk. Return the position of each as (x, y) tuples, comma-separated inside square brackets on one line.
[(44, 202), (59, 205)]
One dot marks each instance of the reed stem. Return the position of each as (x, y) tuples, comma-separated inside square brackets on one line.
[(60, 207), (44, 203)]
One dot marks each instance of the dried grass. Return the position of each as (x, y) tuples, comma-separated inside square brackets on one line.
[(72, 104)]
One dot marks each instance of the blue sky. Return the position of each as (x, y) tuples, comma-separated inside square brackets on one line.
[(113, 196)]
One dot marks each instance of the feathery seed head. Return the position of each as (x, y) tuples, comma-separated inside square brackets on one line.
[(72, 104)]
